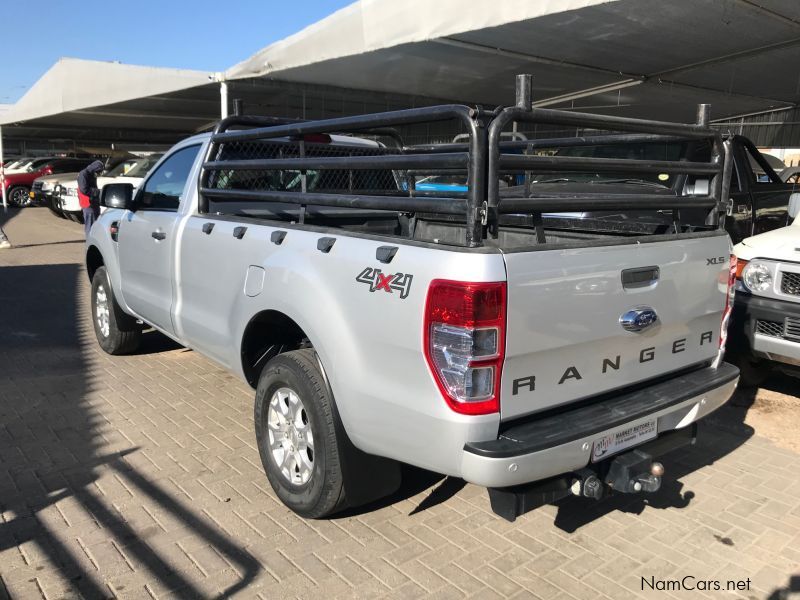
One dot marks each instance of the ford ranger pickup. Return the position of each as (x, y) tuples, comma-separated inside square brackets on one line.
[(448, 329)]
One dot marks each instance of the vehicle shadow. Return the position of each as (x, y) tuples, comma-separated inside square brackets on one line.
[(414, 481), (52, 440), (787, 592), (154, 342)]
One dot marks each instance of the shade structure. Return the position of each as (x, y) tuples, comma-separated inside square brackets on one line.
[(92, 100), (629, 57), (641, 58)]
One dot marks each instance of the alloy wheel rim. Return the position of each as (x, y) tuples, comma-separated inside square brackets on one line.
[(18, 197), (291, 441)]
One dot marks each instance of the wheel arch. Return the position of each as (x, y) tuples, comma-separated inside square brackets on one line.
[(267, 334), (94, 260)]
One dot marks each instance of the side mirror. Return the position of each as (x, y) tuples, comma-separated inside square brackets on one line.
[(119, 195), (794, 205)]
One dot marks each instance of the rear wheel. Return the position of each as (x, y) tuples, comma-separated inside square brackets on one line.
[(299, 437), (116, 332)]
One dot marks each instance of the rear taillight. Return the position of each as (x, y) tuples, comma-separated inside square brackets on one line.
[(464, 341), (726, 314)]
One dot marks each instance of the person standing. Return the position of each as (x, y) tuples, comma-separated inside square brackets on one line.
[(89, 194)]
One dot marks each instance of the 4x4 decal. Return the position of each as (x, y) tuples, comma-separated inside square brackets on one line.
[(378, 281)]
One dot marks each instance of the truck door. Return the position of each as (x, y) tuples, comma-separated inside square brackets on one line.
[(769, 195), (146, 239)]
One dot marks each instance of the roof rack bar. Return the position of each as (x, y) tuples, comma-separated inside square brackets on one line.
[(452, 206), (347, 124), (564, 142), (387, 161), (578, 202), (548, 116), (588, 164)]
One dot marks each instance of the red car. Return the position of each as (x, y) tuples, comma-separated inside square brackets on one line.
[(18, 185)]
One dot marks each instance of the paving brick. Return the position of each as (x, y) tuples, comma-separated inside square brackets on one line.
[(138, 476)]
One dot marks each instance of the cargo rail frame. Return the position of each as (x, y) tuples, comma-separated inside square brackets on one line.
[(483, 159)]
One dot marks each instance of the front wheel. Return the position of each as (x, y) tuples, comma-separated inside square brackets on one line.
[(116, 332), (18, 196), (299, 437)]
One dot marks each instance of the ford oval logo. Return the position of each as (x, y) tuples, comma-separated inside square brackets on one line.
[(638, 319)]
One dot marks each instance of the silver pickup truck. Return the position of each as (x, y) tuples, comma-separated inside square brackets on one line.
[(447, 329)]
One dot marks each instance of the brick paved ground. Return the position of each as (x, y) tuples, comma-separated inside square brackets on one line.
[(138, 477)]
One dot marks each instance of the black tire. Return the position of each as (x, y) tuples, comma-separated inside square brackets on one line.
[(324, 491), (18, 196), (116, 332)]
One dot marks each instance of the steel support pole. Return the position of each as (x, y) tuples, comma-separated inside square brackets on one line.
[(4, 243), (524, 91), (223, 99), (703, 114), (2, 173)]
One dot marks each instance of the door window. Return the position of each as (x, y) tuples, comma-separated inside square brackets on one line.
[(164, 187)]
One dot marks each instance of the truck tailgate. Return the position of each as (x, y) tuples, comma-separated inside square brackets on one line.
[(565, 340)]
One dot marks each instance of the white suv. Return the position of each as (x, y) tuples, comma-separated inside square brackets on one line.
[(765, 327)]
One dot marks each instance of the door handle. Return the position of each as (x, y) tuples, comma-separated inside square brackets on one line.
[(158, 235)]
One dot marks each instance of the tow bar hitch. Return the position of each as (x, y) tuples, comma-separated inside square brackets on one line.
[(631, 472)]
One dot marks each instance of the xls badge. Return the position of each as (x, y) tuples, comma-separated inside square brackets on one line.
[(378, 281)]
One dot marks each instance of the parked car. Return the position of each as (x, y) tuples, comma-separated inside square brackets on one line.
[(19, 165), (130, 170), (379, 327), (43, 189), (18, 184), (765, 327)]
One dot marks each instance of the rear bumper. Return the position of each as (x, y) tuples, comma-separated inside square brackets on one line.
[(560, 443), (744, 338)]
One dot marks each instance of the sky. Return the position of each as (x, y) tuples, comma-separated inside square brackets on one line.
[(208, 35)]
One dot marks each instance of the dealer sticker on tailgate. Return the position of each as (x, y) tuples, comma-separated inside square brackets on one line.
[(632, 436)]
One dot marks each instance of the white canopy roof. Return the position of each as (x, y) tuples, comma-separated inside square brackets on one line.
[(633, 57), (646, 58), (76, 86)]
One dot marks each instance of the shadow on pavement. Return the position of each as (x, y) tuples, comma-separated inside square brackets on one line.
[(154, 342), (51, 439), (414, 481), (787, 592), (49, 244)]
